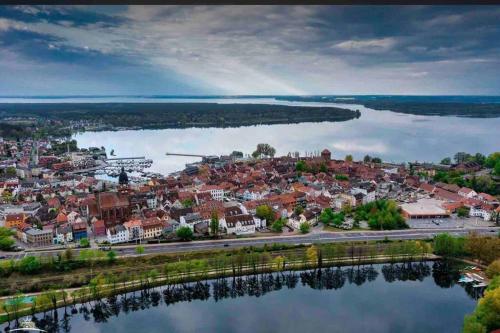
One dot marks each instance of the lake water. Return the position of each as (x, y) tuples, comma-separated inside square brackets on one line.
[(392, 136), (418, 297)]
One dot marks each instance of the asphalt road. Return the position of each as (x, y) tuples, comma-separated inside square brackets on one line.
[(322, 237)]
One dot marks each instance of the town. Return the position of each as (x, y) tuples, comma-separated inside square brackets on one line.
[(47, 202)]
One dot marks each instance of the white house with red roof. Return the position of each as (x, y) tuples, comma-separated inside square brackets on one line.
[(467, 192), (484, 210)]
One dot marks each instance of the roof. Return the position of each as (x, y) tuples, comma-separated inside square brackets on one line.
[(424, 207), (466, 190), (112, 199), (244, 219)]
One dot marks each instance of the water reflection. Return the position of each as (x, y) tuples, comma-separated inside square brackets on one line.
[(444, 274)]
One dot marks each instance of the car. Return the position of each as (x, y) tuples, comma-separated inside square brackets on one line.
[(3, 257), (493, 230), (226, 245)]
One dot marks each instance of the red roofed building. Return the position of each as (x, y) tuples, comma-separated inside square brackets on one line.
[(98, 228)]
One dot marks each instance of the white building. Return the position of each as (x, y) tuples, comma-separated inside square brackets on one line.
[(216, 192), (467, 192), (483, 211), (117, 234), (240, 224)]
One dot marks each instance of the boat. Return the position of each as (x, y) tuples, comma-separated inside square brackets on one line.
[(465, 279)]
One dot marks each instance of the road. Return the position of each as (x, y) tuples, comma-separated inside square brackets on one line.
[(321, 237)]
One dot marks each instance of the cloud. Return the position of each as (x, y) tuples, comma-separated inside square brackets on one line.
[(264, 49), (368, 45)]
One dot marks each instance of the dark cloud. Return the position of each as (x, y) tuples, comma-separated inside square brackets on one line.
[(267, 49)]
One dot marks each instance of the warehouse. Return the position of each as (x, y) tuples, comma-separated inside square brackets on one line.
[(424, 209)]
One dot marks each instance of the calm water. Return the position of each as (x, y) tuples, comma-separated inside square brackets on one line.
[(419, 297), (392, 136)]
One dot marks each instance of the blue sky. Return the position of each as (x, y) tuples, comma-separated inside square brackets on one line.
[(200, 50)]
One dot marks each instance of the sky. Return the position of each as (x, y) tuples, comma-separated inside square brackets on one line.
[(249, 50)]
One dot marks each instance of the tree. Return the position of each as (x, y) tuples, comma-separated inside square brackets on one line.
[(348, 158), (111, 256), (236, 154), (139, 250), (446, 161), (493, 269), (462, 212), (376, 160), (312, 254), (461, 157), (6, 241), (496, 170), (492, 160), (187, 203), (367, 159), (265, 212), (185, 233), (29, 265), (278, 225), (214, 224), (305, 227), (264, 149), (298, 210), (300, 166), (84, 242)]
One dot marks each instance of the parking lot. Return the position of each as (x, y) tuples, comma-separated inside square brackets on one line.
[(451, 222)]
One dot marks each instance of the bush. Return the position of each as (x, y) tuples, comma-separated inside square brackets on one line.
[(493, 269), (381, 215), (185, 233), (305, 227), (447, 245), (84, 242), (29, 265), (278, 225)]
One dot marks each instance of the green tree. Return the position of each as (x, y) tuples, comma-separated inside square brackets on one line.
[(376, 160), (348, 158), (184, 233), (492, 160), (187, 203), (278, 225), (264, 150), (493, 269), (6, 241), (84, 242), (111, 256), (265, 212), (446, 161), (298, 210), (305, 227), (301, 166), (214, 224), (462, 212), (29, 265)]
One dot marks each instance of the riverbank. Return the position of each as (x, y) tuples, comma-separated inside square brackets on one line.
[(105, 286)]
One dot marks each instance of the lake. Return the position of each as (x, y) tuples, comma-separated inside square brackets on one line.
[(401, 297), (394, 137)]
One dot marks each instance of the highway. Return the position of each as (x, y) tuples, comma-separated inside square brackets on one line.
[(319, 237)]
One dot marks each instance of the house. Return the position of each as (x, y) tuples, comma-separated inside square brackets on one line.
[(152, 228), (216, 192), (63, 234), (487, 198), (117, 234), (98, 228), (484, 210), (243, 224), (37, 237), (190, 219), (14, 220), (134, 228), (79, 230), (467, 192)]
